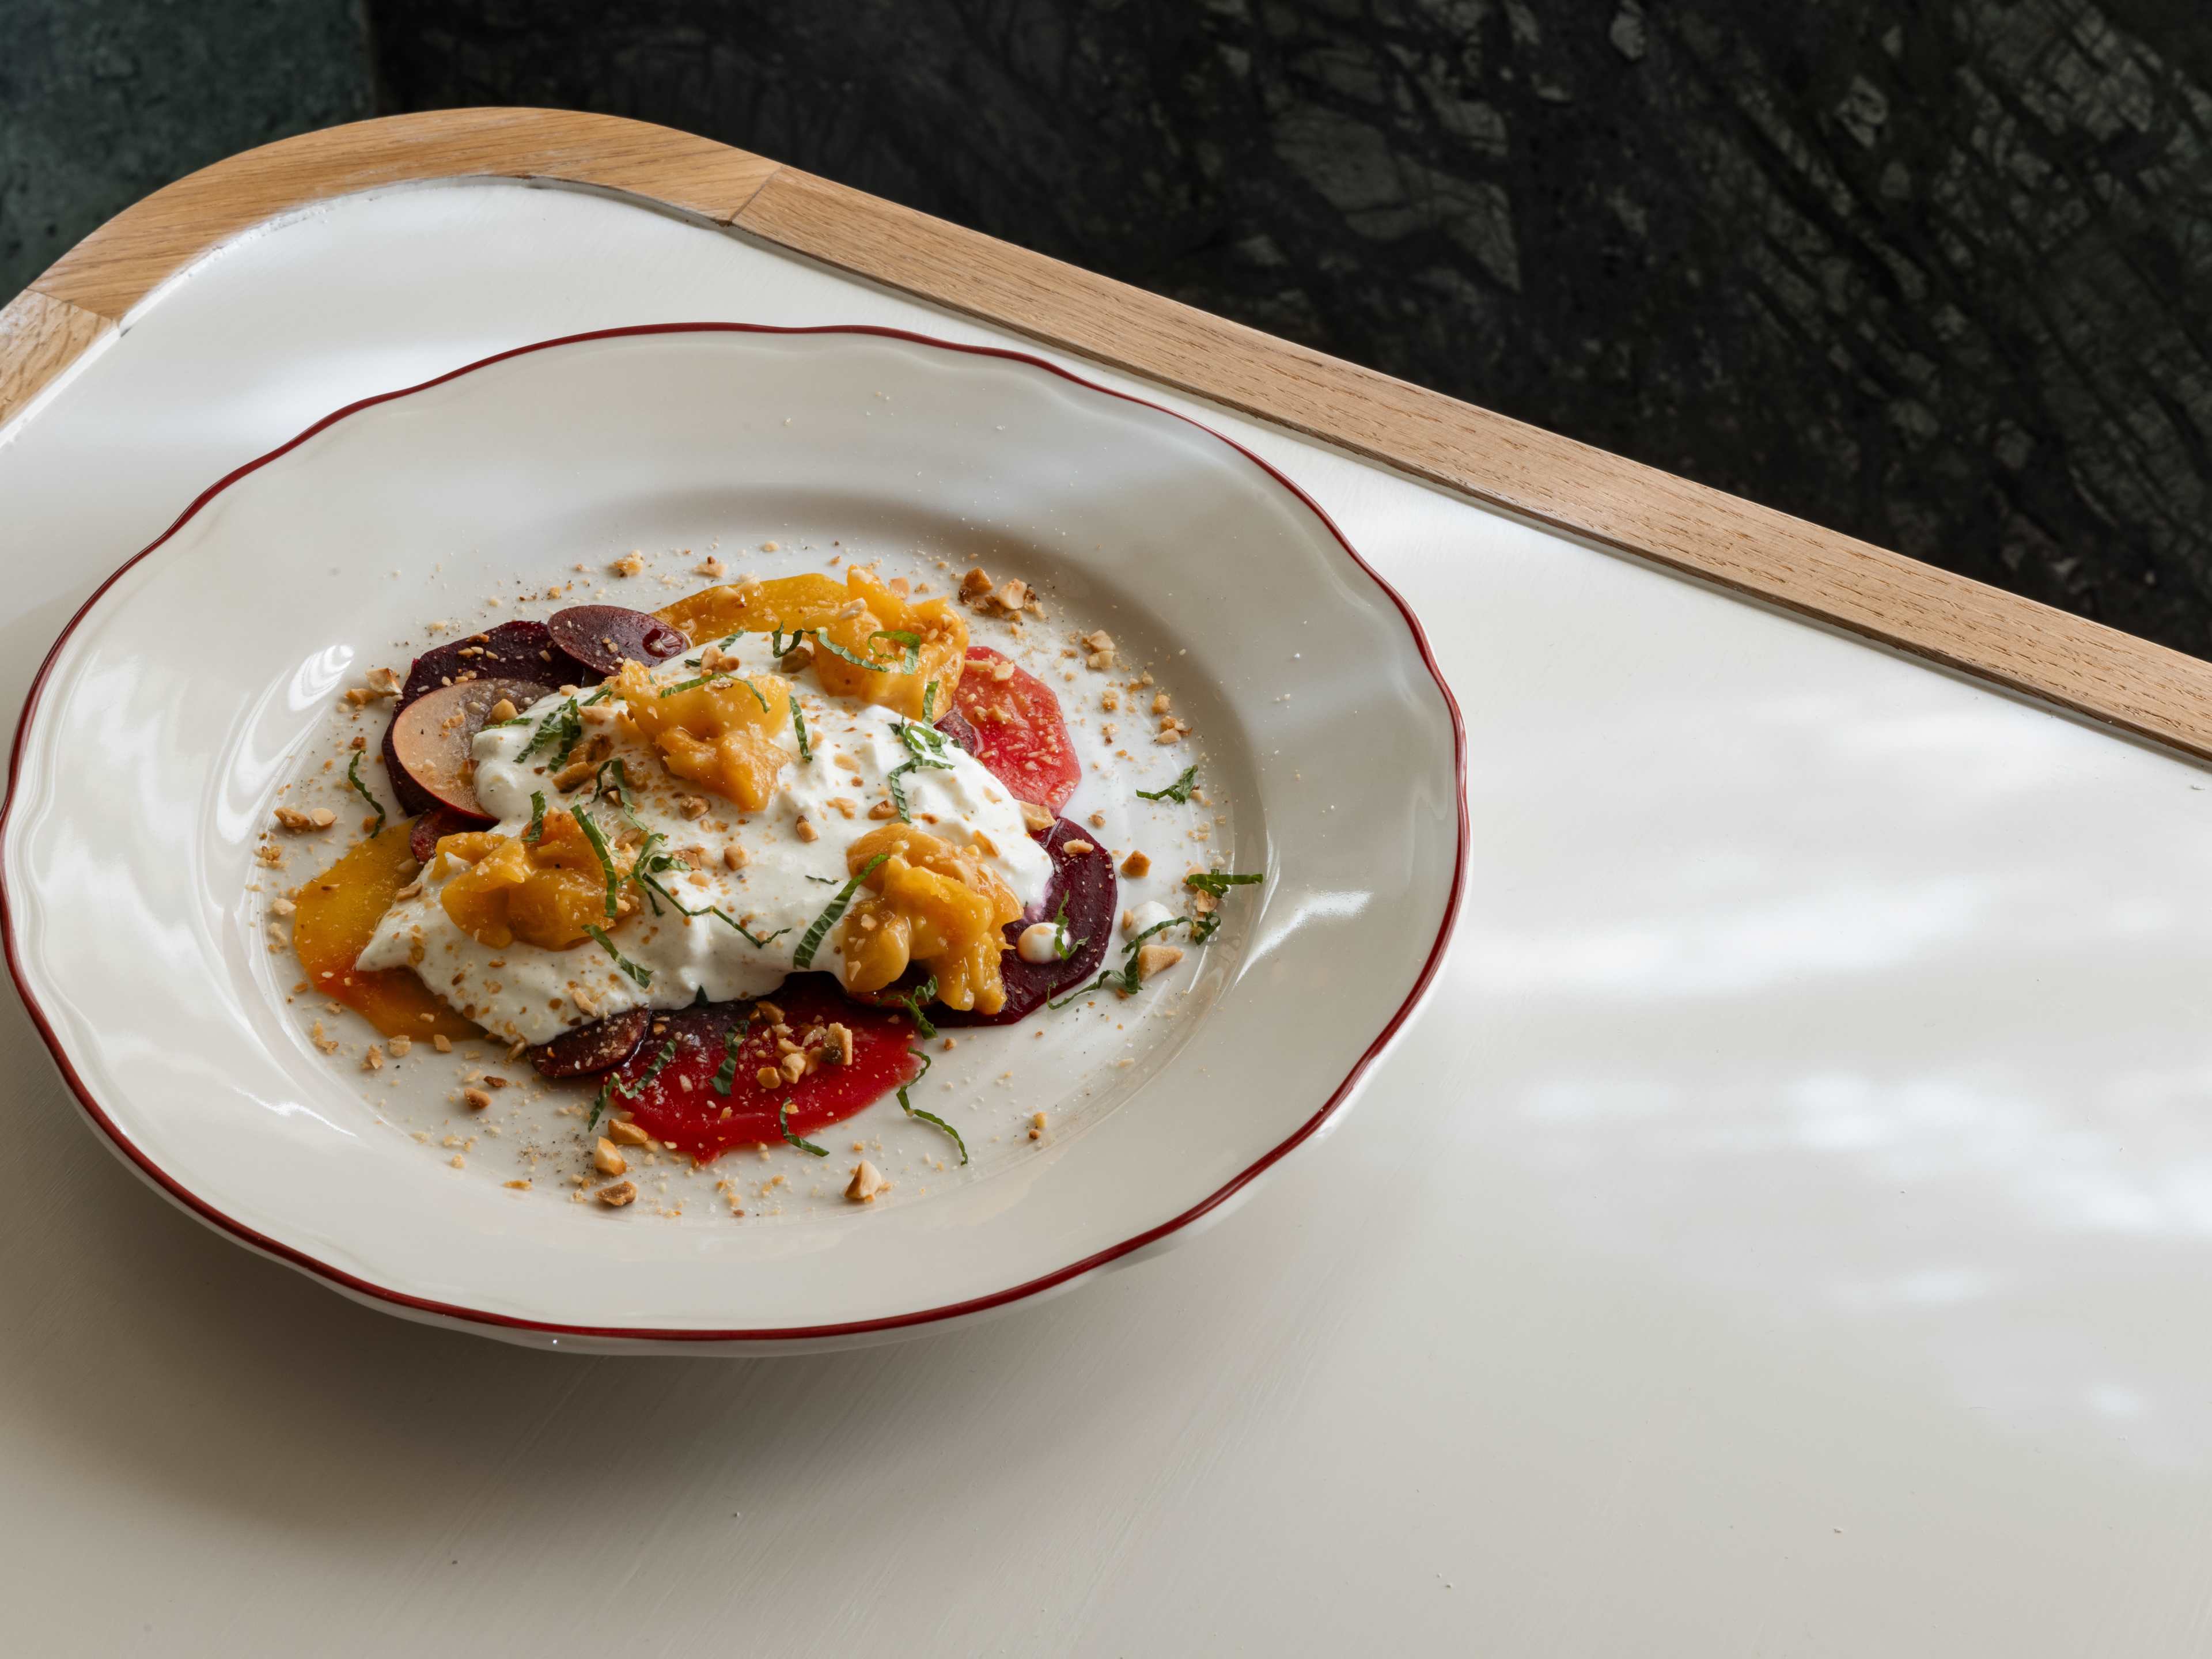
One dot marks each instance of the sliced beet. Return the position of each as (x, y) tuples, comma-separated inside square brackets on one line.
[(601, 638), (590, 1049), (682, 1107), (432, 741), (955, 726), (512, 650), (423, 835), (1018, 732), (1086, 881)]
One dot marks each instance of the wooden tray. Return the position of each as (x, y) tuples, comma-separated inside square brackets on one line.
[(2131, 683)]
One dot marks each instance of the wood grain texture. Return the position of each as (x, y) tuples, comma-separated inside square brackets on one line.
[(40, 336), (115, 266), (2142, 688)]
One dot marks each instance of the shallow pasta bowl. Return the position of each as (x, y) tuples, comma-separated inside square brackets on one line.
[(195, 680)]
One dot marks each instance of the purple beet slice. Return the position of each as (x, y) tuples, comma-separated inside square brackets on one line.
[(431, 742), (590, 1049), (512, 650), (1086, 881), (601, 638), (956, 727), (423, 836)]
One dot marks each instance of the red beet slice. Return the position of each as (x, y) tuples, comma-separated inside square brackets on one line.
[(1087, 883), (431, 740), (1018, 732), (590, 1049), (512, 650), (424, 835), (601, 638), (681, 1106)]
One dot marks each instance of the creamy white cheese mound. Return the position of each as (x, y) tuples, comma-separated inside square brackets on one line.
[(783, 882)]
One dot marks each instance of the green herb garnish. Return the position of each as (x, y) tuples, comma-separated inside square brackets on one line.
[(913, 1110), (811, 941), (898, 789), (614, 1085), (910, 662), (642, 975), (1178, 792), (912, 1002), (564, 727), (353, 777), (799, 726), (726, 1076), (648, 869), (536, 833), (606, 857), (929, 704), (1219, 882), (783, 1122)]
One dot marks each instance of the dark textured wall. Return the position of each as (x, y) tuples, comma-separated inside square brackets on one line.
[(1932, 273)]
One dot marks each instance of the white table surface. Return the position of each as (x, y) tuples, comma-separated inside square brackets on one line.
[(1788, 1229)]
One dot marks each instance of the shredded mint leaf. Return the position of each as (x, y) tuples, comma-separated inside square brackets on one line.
[(646, 871), (929, 704), (912, 1002), (726, 1075), (614, 1085), (913, 1110), (536, 833), (599, 850), (783, 1122), (353, 777), (898, 789), (642, 975), (1178, 792), (1219, 882), (811, 940), (564, 727), (799, 726), (1124, 978), (908, 663)]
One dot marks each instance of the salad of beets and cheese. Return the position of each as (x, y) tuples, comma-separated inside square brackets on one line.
[(729, 865)]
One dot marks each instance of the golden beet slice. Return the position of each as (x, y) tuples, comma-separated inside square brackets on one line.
[(337, 917)]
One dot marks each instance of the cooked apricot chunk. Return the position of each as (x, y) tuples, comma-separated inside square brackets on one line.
[(864, 627), (337, 916), (722, 734), (544, 894), (929, 902)]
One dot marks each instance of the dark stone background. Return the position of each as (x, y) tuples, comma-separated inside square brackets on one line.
[(1932, 273)]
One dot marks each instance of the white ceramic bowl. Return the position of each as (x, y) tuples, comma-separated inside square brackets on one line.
[(196, 679)]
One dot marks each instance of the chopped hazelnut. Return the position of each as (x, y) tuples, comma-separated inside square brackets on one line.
[(710, 566), (768, 1076), (624, 1132), (319, 818), (868, 1181), (1136, 865), (616, 1196), (1034, 818), (794, 1067), (607, 1158), (628, 565), (837, 1044), (1076, 849), (1098, 820), (504, 709), (1157, 959), (372, 1059), (973, 586), (806, 831), (476, 1099), (692, 806), (734, 856), (1110, 700), (400, 1046), (883, 808), (1162, 702), (443, 1043)]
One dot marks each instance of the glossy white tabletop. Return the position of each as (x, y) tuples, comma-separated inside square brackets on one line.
[(1788, 1229)]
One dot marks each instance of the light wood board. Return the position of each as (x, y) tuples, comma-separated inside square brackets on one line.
[(2142, 688)]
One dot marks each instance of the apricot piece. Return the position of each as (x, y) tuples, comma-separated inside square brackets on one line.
[(722, 735), (872, 610), (929, 902), (544, 893), (337, 916)]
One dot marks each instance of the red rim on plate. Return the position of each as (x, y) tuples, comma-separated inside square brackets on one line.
[(208, 1212)]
